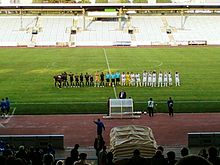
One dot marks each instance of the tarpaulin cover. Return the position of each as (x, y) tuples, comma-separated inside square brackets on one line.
[(125, 139)]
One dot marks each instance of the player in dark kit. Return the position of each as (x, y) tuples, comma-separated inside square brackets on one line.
[(102, 79), (87, 79), (77, 80), (64, 77), (170, 106), (3, 106), (81, 80), (71, 79), (91, 80)]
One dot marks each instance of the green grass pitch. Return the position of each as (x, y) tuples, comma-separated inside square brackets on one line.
[(26, 77)]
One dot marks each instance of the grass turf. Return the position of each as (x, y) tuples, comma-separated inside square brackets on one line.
[(26, 78)]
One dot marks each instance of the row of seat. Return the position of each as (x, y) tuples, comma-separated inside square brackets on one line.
[(146, 30)]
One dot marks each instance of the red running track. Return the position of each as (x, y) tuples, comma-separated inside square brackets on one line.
[(168, 131)]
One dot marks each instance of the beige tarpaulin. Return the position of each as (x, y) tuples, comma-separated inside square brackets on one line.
[(125, 139)]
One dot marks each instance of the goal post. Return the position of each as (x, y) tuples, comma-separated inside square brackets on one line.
[(121, 108)]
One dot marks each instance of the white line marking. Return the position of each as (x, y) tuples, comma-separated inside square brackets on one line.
[(9, 118), (100, 102), (106, 59), (2, 126)]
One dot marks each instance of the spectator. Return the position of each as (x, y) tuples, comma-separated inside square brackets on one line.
[(100, 126), (158, 159), (75, 153), (137, 159), (213, 156), (109, 159), (2, 146), (59, 162), (161, 149), (98, 144), (69, 161), (19, 161), (203, 153), (37, 157), (48, 159), (30, 154), (102, 158), (22, 154), (171, 158), (184, 151), (193, 160), (8, 152), (2, 160), (82, 160), (51, 150)]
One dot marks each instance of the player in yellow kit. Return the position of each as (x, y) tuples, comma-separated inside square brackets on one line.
[(97, 79), (127, 79)]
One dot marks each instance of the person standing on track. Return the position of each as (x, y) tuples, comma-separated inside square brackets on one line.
[(170, 106), (100, 126), (122, 95), (150, 107), (3, 106), (7, 106)]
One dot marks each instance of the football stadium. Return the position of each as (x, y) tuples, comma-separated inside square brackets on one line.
[(126, 82)]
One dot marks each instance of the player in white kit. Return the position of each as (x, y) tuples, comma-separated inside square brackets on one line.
[(138, 79), (149, 79), (132, 77), (177, 79), (123, 79), (154, 79), (170, 79), (144, 79), (165, 79), (160, 79)]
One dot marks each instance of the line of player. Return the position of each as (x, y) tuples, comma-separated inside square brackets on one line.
[(146, 79), (150, 79)]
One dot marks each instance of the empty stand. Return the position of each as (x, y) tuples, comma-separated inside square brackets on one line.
[(139, 30)]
